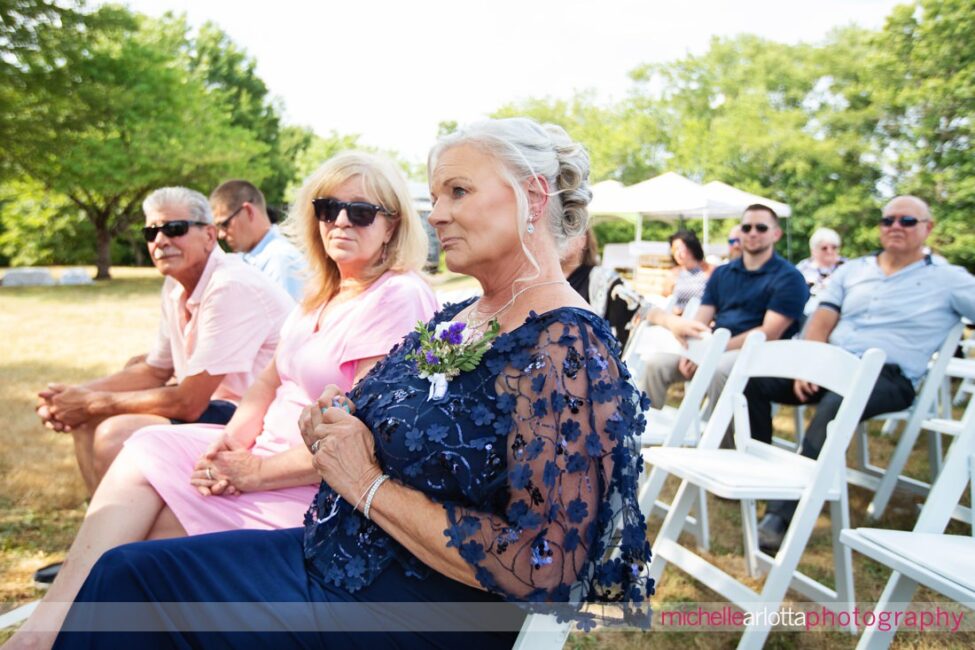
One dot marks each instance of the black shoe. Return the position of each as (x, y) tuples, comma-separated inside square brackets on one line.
[(771, 531), (44, 576)]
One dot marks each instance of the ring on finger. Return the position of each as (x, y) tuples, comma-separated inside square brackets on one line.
[(209, 474), (315, 445)]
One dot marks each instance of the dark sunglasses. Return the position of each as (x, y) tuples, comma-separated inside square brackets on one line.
[(360, 214), (734, 240), (760, 227), (170, 229), (905, 221), (223, 225)]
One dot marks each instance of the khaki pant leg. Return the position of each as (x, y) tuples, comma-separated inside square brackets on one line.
[(661, 372)]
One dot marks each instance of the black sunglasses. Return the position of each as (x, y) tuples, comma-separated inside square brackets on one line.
[(360, 214), (905, 220), (170, 229), (760, 227), (223, 225)]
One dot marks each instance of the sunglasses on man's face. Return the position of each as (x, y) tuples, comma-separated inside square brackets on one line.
[(170, 229), (733, 240), (359, 213), (905, 220), (760, 227), (223, 225)]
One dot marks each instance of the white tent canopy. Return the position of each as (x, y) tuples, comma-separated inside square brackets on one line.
[(611, 198), (724, 193), (672, 196)]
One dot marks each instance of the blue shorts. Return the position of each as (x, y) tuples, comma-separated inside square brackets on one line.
[(219, 411)]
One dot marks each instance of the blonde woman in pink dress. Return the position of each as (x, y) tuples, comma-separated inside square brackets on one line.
[(365, 245)]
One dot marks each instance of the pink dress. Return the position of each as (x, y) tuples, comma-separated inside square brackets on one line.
[(307, 360)]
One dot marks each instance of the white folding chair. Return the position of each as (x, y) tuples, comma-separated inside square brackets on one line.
[(754, 470), (675, 427), (963, 369), (18, 614), (799, 410), (882, 480), (542, 632), (925, 556)]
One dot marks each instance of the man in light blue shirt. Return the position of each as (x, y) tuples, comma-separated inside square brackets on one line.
[(901, 300), (240, 215)]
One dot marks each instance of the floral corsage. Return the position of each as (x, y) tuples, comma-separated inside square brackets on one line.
[(450, 349)]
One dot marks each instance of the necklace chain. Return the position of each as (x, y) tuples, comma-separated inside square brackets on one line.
[(474, 323)]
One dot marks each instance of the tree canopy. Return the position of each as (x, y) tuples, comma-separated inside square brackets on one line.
[(98, 107), (140, 106), (834, 128)]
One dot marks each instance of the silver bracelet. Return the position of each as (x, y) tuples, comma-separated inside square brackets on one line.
[(365, 492), (372, 492)]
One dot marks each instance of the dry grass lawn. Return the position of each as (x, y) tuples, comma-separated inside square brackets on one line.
[(73, 333)]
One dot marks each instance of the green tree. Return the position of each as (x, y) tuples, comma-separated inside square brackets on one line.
[(231, 74), (925, 78), (37, 39), (791, 122), (320, 148), (40, 227), (621, 140), (316, 152), (134, 118)]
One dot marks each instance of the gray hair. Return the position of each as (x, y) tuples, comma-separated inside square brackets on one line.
[(824, 236), (527, 149), (197, 204)]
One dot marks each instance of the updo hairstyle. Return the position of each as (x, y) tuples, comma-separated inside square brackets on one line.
[(526, 149)]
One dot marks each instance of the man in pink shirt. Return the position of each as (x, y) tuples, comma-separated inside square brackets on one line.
[(219, 328)]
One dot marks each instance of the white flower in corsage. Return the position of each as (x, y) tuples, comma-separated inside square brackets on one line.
[(451, 348)]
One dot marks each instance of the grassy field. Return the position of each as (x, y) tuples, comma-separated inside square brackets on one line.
[(73, 333)]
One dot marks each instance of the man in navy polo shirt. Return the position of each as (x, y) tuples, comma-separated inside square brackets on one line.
[(901, 300), (758, 291)]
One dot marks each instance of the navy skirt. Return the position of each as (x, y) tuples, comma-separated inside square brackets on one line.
[(252, 589)]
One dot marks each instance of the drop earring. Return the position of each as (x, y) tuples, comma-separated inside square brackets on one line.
[(531, 227), (382, 258)]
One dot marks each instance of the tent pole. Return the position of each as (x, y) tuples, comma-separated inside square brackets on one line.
[(705, 232), (788, 239)]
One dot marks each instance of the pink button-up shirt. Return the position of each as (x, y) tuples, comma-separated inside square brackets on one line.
[(228, 326)]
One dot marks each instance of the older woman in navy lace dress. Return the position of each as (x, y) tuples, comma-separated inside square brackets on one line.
[(489, 458)]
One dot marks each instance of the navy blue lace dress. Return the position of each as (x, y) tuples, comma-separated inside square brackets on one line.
[(533, 456)]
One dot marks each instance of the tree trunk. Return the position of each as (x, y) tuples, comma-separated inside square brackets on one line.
[(104, 248)]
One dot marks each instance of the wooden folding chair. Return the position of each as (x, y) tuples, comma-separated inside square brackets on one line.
[(925, 556), (757, 471)]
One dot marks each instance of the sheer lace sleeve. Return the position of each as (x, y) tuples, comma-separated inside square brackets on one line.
[(572, 468)]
